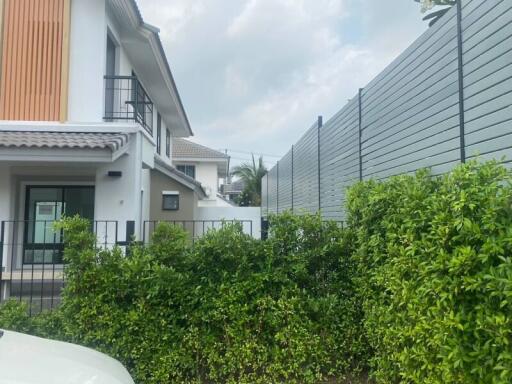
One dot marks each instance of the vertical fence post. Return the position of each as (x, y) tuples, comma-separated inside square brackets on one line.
[(277, 189), (268, 174), (460, 53), (292, 176), (130, 231), (360, 99), (264, 229), (319, 126)]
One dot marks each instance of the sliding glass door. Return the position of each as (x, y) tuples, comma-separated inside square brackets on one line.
[(44, 205)]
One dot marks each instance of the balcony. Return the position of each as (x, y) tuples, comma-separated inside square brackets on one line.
[(126, 99)]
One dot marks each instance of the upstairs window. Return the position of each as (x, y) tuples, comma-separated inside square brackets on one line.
[(189, 170), (159, 134), (168, 143)]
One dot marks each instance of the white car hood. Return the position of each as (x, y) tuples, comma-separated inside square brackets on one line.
[(31, 360)]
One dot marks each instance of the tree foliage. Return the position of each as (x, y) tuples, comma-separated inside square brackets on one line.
[(251, 175), (433, 17)]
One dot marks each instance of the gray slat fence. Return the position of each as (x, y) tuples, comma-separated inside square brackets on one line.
[(446, 99)]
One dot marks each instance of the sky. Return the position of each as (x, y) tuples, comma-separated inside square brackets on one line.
[(254, 75)]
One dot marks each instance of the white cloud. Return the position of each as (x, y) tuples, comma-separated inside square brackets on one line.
[(254, 74)]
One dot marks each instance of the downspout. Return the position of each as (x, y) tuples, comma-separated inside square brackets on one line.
[(141, 194)]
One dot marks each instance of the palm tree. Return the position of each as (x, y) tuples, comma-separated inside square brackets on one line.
[(427, 5), (251, 175)]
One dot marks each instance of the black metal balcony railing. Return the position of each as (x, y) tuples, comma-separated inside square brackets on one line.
[(126, 99)]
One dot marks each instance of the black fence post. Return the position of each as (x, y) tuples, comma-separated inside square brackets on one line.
[(460, 54), (319, 126), (130, 231), (292, 175), (360, 99), (268, 176), (277, 187), (264, 228)]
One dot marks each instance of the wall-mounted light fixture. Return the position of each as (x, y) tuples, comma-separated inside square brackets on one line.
[(114, 174)]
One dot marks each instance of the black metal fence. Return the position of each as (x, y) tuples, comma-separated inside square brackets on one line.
[(196, 228), (126, 99), (31, 253)]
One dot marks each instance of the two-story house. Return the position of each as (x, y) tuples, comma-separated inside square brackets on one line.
[(206, 165), (88, 113)]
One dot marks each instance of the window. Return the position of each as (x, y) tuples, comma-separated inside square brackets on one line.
[(168, 143), (110, 81), (159, 134), (189, 170), (170, 201), (43, 206)]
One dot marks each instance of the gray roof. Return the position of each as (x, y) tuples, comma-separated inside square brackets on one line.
[(184, 149), (26, 139)]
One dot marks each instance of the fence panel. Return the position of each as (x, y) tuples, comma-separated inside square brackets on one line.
[(447, 98), (285, 182), (339, 159), (487, 55), (411, 119), (305, 172), (32, 267), (272, 190)]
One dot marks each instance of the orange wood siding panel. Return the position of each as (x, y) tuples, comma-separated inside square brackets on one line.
[(32, 56)]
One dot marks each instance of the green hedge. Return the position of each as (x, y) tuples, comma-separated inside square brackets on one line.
[(417, 288), (435, 275), (231, 309)]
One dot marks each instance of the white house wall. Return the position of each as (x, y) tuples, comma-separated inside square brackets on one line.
[(247, 214), (90, 24), (206, 174), (5, 193), (87, 60), (119, 198), (146, 195)]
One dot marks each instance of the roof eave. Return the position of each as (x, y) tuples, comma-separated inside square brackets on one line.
[(166, 169), (151, 35)]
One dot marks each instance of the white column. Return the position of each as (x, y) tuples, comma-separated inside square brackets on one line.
[(6, 213), (119, 198)]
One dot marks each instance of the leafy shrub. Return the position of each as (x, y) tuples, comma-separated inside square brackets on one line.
[(14, 315), (418, 288), (231, 309), (435, 274)]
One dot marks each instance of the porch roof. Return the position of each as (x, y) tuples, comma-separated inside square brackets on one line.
[(73, 140)]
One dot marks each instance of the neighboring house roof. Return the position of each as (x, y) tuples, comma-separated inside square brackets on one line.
[(21, 139), (180, 177), (157, 77), (185, 149)]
